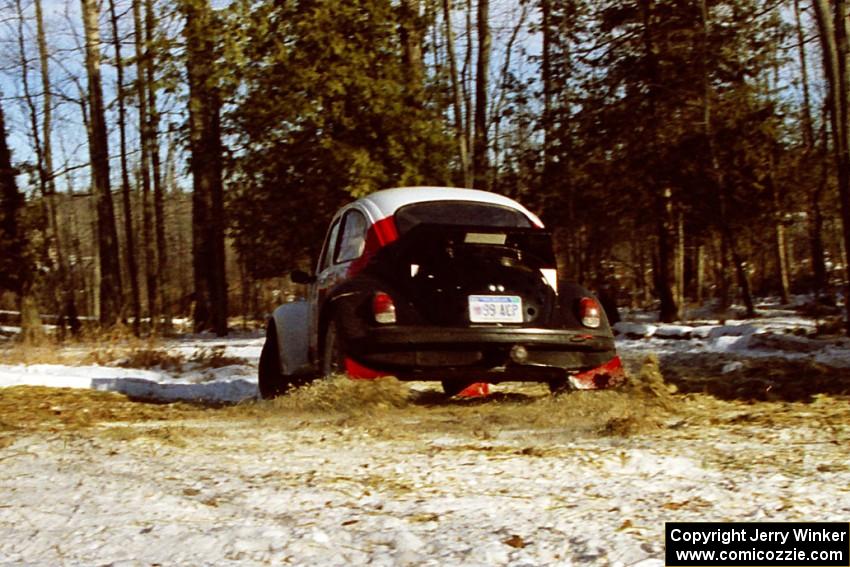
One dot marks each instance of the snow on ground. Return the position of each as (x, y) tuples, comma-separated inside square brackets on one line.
[(314, 492), (438, 483), (776, 333), (231, 383)]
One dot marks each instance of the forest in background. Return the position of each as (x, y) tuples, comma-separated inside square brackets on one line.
[(176, 158)]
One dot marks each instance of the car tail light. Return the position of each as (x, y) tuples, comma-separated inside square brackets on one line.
[(383, 308), (590, 312)]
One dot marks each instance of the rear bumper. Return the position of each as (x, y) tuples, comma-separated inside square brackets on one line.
[(482, 353)]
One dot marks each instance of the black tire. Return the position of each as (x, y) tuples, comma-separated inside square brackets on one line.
[(272, 381), (333, 359)]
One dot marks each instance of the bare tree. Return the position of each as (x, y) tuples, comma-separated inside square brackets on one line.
[(480, 160), (151, 280), (107, 235), (815, 217), (457, 104), (65, 293), (662, 196), (206, 162), (152, 140), (129, 233), (833, 28), (720, 186)]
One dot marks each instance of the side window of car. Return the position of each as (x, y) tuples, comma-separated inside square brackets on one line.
[(353, 240), (329, 249)]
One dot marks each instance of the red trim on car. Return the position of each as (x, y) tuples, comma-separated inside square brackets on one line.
[(357, 371), (607, 375), (379, 235)]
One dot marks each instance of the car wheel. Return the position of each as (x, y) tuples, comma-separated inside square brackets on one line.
[(333, 359), (272, 381)]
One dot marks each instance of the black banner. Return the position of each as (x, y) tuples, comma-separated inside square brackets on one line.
[(762, 544)]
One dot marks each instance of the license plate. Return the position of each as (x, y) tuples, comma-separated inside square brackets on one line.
[(495, 309)]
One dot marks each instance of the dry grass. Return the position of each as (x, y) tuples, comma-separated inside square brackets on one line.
[(388, 409), (24, 408), (114, 348), (761, 379), (89, 348), (214, 357)]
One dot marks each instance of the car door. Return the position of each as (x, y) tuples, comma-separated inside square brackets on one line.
[(345, 243)]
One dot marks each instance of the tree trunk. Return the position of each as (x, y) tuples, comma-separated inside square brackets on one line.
[(835, 48), (153, 152), (806, 113), (107, 235), (129, 233), (662, 197), (457, 108), (816, 246), (480, 162), (546, 72), (815, 216), (16, 270), (496, 115), (780, 239), (206, 165), (66, 299), (151, 252), (722, 271), (467, 88), (743, 278), (700, 274), (720, 186), (412, 35), (35, 135), (679, 267)]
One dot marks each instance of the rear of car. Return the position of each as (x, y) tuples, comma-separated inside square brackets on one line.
[(468, 291)]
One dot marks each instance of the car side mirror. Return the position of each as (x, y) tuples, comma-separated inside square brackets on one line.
[(301, 277)]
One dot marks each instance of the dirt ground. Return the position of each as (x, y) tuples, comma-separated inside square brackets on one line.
[(345, 472)]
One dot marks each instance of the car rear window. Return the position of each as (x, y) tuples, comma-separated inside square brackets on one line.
[(458, 213)]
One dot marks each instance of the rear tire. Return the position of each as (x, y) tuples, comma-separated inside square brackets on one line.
[(271, 380)]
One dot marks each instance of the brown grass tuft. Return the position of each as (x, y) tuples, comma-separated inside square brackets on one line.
[(343, 395), (152, 358), (213, 357)]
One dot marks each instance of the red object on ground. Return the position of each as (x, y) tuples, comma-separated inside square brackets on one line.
[(357, 371), (476, 390), (606, 376)]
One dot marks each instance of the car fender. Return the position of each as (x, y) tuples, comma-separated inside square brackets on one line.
[(569, 294), (292, 322)]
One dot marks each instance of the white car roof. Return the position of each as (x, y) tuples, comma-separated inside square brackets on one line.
[(383, 204)]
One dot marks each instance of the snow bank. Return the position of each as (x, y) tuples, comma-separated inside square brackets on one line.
[(195, 382), (783, 335), (227, 384)]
